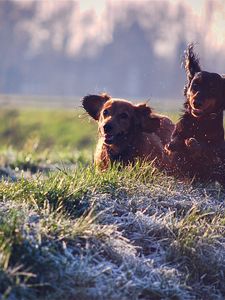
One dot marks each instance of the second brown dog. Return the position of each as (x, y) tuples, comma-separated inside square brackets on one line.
[(197, 144), (127, 132)]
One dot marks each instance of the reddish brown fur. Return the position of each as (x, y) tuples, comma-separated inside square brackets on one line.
[(127, 132), (197, 142)]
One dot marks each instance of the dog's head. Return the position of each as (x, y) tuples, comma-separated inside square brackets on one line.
[(119, 120), (205, 91)]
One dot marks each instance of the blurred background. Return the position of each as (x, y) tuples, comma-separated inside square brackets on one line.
[(53, 52), (128, 48)]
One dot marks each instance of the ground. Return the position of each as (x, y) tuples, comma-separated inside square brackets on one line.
[(68, 231)]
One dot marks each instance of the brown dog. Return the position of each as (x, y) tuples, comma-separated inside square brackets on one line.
[(127, 132), (198, 138)]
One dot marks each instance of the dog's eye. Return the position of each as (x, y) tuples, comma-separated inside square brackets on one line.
[(105, 113), (124, 116)]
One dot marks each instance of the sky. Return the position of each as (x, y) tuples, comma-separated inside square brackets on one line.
[(68, 41), (104, 13)]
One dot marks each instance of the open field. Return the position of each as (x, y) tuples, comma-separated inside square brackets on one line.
[(70, 232), (40, 131)]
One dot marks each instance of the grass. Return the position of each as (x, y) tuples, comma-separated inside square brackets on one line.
[(46, 128), (68, 231), (35, 139)]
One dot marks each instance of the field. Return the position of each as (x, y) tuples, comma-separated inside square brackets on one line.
[(70, 232)]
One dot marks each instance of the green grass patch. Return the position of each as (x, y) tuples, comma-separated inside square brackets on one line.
[(46, 129), (68, 231)]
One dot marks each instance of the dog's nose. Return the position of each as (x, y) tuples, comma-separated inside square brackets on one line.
[(107, 128), (197, 103)]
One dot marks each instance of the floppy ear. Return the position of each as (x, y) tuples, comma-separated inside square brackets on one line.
[(145, 121), (191, 65), (94, 103)]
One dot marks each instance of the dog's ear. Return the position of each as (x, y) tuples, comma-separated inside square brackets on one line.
[(144, 120), (94, 103), (191, 65)]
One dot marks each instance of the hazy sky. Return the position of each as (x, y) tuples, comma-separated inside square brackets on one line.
[(85, 39), (103, 14)]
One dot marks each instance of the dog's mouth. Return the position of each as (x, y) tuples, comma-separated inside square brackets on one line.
[(110, 139), (207, 108)]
